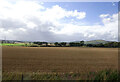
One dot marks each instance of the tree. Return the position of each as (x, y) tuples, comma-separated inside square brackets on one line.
[(63, 43), (46, 44), (81, 43), (39, 43), (71, 43), (89, 45), (119, 44), (56, 43), (100, 45)]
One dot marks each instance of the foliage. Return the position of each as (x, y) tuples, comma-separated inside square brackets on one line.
[(109, 45), (41, 43), (65, 44), (112, 75), (81, 43)]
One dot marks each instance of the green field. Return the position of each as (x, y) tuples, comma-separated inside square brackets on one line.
[(18, 44)]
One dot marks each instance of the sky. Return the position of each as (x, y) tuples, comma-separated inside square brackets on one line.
[(58, 21)]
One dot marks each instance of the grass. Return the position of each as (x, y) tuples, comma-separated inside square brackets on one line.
[(100, 75), (20, 44), (104, 75), (9, 44)]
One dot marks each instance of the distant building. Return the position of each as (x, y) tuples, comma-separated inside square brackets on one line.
[(51, 44)]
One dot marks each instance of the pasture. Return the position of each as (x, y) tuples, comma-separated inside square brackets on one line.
[(58, 59), (10, 44)]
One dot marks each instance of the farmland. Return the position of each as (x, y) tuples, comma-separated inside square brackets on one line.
[(9, 44), (58, 59)]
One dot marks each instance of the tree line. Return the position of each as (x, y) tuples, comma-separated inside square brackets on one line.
[(79, 44), (109, 45), (69, 44)]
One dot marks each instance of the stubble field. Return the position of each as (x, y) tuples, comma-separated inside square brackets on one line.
[(58, 59)]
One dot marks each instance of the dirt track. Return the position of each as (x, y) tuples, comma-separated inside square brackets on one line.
[(58, 59)]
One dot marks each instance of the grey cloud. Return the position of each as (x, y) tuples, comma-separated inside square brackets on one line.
[(11, 24)]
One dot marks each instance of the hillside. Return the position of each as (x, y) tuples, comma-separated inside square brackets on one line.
[(96, 42)]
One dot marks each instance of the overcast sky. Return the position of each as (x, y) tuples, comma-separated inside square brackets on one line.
[(60, 21)]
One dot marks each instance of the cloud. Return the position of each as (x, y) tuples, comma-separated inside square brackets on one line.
[(30, 20), (56, 13), (104, 15), (113, 4), (107, 31)]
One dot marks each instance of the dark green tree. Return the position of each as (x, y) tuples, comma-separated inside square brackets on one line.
[(81, 43), (63, 43), (56, 43)]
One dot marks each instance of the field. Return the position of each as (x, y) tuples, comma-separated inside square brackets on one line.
[(10, 44), (42, 60)]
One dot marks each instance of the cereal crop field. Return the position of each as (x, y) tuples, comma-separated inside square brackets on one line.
[(58, 59)]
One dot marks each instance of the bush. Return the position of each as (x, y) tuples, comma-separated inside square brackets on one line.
[(34, 45)]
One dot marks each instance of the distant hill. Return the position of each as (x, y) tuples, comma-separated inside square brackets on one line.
[(12, 41), (96, 42)]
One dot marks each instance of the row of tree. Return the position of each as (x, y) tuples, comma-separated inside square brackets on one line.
[(109, 44), (79, 44), (41, 43), (73, 44)]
